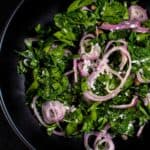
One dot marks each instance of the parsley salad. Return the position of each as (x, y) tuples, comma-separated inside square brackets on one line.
[(88, 73)]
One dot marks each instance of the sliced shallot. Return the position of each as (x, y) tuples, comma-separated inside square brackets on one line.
[(75, 70), (86, 139), (147, 99), (53, 111), (85, 39), (93, 54), (83, 67), (123, 43), (36, 113), (109, 145), (110, 43), (139, 132), (99, 136), (137, 13), (125, 106), (69, 72), (141, 30), (94, 51), (102, 138), (133, 24), (59, 133), (86, 8), (89, 95), (140, 78)]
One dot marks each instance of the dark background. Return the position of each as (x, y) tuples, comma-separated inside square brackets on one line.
[(8, 139)]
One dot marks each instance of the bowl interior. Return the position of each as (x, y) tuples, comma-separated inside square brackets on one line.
[(29, 14)]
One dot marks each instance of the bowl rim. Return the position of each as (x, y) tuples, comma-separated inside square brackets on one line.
[(2, 103)]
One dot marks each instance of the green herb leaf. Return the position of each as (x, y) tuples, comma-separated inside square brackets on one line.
[(78, 4)]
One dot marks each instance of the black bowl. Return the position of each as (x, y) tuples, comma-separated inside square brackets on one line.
[(27, 14)]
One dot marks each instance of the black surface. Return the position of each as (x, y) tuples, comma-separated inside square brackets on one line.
[(8, 139), (30, 14)]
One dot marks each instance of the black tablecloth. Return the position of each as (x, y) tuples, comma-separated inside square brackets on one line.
[(8, 139)]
